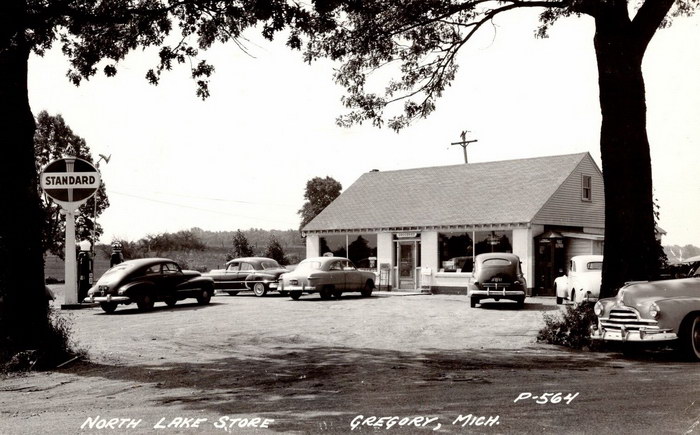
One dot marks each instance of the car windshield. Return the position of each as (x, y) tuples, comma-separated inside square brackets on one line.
[(308, 266), (270, 264), (595, 265)]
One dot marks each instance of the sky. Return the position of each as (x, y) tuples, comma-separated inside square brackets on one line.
[(241, 158)]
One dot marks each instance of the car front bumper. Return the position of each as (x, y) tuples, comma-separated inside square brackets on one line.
[(639, 336)]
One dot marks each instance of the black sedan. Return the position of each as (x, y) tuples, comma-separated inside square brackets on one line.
[(149, 280), (258, 274)]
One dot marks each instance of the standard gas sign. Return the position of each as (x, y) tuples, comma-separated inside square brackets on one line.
[(70, 181)]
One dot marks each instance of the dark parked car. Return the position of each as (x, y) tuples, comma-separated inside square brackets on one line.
[(149, 280), (497, 276), (653, 312), (258, 274), (328, 276)]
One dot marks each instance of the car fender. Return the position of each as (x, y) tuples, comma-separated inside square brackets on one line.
[(265, 277), (674, 310), (197, 282), (562, 286), (136, 288)]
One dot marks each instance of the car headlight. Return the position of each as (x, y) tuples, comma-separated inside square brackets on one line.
[(654, 311), (598, 309)]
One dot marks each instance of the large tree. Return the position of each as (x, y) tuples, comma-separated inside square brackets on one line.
[(94, 35), (417, 41), (54, 139), (318, 194)]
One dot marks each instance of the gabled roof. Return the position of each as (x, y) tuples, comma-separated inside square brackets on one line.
[(503, 192)]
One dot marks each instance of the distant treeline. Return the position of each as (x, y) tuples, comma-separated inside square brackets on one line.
[(677, 254), (204, 250)]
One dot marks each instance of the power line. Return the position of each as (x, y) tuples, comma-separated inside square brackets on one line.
[(195, 208)]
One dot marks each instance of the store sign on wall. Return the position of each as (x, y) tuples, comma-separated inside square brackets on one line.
[(406, 235)]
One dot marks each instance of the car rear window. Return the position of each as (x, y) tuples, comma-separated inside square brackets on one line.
[(496, 262), (307, 266), (595, 265), (270, 265), (118, 268)]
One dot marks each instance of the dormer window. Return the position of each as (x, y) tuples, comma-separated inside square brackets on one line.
[(586, 188)]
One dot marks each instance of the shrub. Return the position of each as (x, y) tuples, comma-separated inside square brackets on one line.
[(57, 347), (571, 328)]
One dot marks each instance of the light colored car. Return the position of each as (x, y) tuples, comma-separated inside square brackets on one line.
[(328, 276), (653, 311), (582, 281), (258, 274), (497, 276)]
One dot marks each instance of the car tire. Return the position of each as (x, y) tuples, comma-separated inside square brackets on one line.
[(337, 294), (232, 293), (689, 335), (260, 289), (520, 303), (171, 301), (295, 295), (204, 297), (559, 300), (326, 293), (367, 290), (145, 302), (473, 302), (108, 307)]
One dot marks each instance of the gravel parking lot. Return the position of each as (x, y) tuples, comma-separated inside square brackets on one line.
[(313, 366)]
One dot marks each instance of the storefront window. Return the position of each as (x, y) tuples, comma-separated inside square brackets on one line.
[(455, 252), (493, 241), (334, 244), (361, 249)]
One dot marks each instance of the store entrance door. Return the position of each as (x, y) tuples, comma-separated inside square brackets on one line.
[(406, 253)]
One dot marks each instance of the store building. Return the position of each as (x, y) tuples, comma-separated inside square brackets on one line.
[(419, 229)]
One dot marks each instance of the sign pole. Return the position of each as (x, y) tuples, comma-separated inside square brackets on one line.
[(71, 266), (70, 182)]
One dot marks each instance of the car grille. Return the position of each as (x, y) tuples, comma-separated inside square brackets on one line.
[(626, 319)]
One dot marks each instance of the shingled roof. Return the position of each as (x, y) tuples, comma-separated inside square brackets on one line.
[(502, 192)]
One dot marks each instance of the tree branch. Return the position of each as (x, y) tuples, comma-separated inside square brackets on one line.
[(649, 18)]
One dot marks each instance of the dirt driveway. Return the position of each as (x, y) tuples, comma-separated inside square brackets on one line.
[(407, 363)]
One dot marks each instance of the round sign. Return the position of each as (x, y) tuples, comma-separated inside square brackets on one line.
[(70, 181)]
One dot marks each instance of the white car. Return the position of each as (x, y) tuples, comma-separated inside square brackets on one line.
[(582, 281)]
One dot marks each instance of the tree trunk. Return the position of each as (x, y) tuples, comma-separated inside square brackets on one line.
[(629, 221), (23, 302)]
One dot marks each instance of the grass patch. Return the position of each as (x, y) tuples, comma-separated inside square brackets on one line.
[(57, 347)]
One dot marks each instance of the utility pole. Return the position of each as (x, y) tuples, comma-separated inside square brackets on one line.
[(94, 210), (464, 142)]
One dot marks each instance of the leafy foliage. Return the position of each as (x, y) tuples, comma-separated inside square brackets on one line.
[(275, 251), (571, 328), (157, 244), (417, 41), (319, 193), (54, 139), (241, 247)]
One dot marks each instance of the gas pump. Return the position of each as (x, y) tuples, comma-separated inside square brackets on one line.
[(116, 256), (85, 270)]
